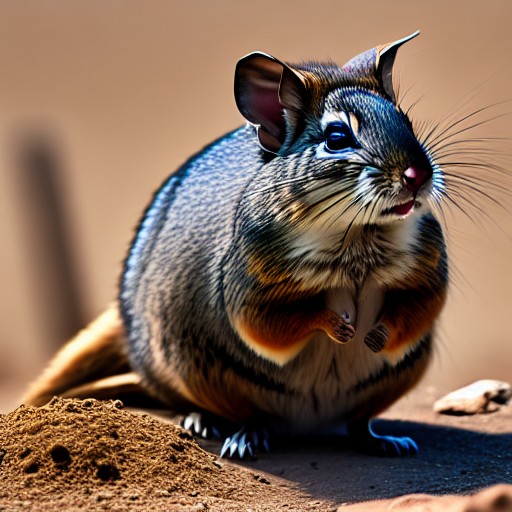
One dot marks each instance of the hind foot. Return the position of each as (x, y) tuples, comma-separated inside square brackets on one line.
[(206, 425), (371, 443), (245, 443)]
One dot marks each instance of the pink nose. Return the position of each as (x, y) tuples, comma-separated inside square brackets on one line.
[(415, 177)]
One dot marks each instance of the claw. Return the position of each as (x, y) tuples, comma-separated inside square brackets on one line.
[(255, 438), (202, 424), (187, 422), (389, 446), (232, 449), (225, 447), (242, 445), (397, 446), (245, 442), (385, 446), (197, 423)]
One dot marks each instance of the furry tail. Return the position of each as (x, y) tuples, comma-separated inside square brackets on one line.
[(94, 363)]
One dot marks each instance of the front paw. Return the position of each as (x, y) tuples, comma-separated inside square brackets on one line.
[(377, 338), (343, 331)]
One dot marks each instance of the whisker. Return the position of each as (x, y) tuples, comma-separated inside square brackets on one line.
[(439, 126), (476, 181), (336, 203), (285, 183), (439, 140), (457, 198), (472, 143), (473, 188), (338, 215), (348, 228), (457, 203), (413, 105), (344, 194), (469, 96), (483, 166), (435, 203), (419, 127)]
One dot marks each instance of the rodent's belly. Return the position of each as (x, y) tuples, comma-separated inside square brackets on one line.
[(318, 388), (323, 385)]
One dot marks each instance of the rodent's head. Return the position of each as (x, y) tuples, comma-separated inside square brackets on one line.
[(359, 158)]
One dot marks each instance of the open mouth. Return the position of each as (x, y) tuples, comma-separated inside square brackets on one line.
[(402, 209)]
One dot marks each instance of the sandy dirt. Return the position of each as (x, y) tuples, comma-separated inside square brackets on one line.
[(90, 455)]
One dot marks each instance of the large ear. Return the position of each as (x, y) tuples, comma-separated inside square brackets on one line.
[(379, 62), (264, 87)]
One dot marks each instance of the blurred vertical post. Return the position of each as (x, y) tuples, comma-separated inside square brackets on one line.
[(46, 226)]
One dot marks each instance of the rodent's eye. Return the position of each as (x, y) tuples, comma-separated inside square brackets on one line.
[(338, 137)]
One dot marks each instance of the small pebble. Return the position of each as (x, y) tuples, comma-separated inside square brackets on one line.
[(483, 396)]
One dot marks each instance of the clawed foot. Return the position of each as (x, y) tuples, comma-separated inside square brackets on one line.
[(245, 443), (371, 443), (377, 338), (205, 425), (390, 446)]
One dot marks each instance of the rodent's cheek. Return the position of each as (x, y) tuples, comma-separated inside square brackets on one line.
[(366, 187)]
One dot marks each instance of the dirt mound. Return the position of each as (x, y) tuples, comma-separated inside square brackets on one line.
[(86, 454)]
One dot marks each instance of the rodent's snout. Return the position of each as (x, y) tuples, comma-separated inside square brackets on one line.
[(415, 177)]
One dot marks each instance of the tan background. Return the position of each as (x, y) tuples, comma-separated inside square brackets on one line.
[(123, 91)]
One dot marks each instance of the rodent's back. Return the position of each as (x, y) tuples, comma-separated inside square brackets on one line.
[(172, 271)]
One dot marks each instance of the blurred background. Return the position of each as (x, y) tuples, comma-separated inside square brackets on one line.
[(99, 101)]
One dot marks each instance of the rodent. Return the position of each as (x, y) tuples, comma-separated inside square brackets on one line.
[(289, 276)]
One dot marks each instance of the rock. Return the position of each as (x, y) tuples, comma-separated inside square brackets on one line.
[(483, 396)]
